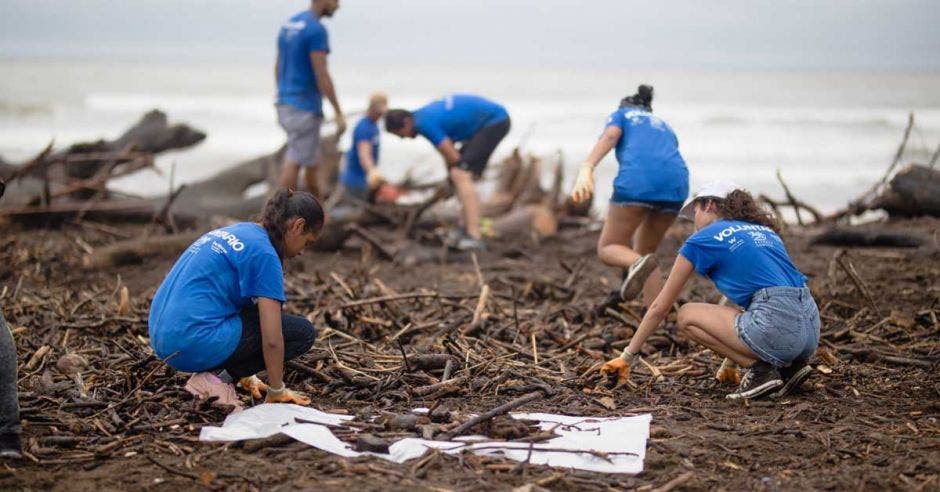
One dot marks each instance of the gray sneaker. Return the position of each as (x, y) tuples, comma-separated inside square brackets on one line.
[(760, 379), (469, 243), (639, 271)]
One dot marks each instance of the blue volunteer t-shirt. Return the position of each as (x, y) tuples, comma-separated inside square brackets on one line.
[(196, 309), (296, 84), (741, 258), (651, 167), (354, 176), (458, 117)]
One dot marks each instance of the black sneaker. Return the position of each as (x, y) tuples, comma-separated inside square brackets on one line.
[(10, 446), (639, 271), (758, 380), (793, 376)]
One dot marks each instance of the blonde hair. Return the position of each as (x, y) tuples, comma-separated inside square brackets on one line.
[(378, 100)]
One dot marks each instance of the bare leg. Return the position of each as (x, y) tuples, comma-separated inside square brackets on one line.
[(469, 200), (614, 246), (289, 173), (713, 326), (310, 179), (647, 239)]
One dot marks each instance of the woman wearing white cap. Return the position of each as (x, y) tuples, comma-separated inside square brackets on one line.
[(737, 247), (649, 189)]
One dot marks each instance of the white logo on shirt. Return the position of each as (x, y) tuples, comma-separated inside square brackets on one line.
[(728, 231), (636, 117), (229, 238)]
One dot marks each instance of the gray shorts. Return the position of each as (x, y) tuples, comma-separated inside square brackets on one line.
[(781, 325), (303, 134)]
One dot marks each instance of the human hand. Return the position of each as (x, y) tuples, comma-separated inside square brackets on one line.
[(253, 385), (728, 372), (340, 121), (584, 185), (374, 178), (284, 395)]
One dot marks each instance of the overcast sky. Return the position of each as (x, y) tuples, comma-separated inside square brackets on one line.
[(700, 34)]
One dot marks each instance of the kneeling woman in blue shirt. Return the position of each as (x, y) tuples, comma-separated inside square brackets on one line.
[(218, 312), (737, 247), (649, 189)]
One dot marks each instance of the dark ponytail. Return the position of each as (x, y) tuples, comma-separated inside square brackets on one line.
[(740, 205), (643, 98), (286, 205)]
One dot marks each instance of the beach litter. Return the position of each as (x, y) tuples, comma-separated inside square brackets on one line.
[(606, 445)]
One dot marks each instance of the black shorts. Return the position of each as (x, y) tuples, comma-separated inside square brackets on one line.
[(475, 153)]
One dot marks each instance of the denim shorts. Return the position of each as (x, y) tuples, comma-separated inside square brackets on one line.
[(659, 206), (781, 325)]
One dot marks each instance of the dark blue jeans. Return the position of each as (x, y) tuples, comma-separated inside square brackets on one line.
[(248, 358)]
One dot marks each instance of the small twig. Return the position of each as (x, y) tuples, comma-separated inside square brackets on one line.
[(504, 408), (849, 269)]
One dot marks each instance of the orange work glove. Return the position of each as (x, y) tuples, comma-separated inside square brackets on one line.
[(620, 366), (253, 385), (728, 372), (284, 395), (584, 185)]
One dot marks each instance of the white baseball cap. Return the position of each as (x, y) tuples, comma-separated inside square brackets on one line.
[(720, 188)]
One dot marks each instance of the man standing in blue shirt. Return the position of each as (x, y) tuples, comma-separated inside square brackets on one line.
[(302, 81), (479, 125), (361, 175)]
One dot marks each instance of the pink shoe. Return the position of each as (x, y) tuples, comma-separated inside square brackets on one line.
[(205, 385)]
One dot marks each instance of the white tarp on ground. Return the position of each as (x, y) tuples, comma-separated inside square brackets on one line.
[(606, 444)]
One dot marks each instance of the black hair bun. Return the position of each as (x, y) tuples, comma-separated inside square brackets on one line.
[(643, 98)]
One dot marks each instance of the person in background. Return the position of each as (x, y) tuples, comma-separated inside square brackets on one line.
[(360, 176), (9, 403), (649, 190), (218, 311), (302, 80), (479, 125), (737, 247)]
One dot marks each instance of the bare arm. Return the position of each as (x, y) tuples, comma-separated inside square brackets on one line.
[(277, 72), (364, 151), (681, 271), (325, 81), (447, 149), (608, 141), (272, 340)]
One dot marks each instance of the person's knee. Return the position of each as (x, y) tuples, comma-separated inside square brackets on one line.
[(299, 334), (684, 320), (309, 334)]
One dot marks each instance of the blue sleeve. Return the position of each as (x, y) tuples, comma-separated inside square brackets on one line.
[(434, 134), (699, 254), (364, 132), (261, 275), (615, 119), (317, 38)]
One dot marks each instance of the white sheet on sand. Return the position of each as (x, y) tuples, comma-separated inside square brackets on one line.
[(600, 444)]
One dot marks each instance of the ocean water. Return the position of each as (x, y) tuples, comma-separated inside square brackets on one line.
[(831, 134)]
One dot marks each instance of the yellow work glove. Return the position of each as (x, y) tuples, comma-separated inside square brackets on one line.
[(374, 179), (253, 385), (728, 372), (584, 185), (620, 366), (284, 395)]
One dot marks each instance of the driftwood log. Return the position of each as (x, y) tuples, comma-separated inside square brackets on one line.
[(83, 169), (913, 191)]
